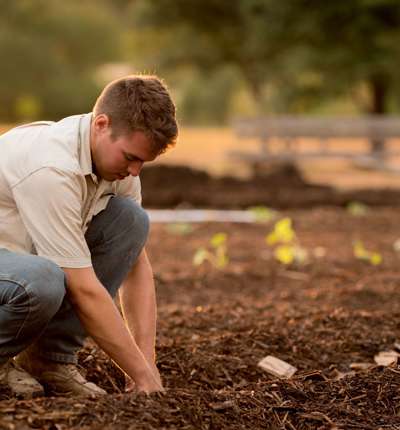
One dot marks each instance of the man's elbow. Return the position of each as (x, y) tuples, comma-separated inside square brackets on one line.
[(82, 285)]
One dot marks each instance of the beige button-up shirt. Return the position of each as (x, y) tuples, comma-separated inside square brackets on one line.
[(48, 191)]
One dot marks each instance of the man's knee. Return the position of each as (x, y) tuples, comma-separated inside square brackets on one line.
[(132, 220), (46, 287)]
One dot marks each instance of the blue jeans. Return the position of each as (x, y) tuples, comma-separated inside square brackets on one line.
[(33, 306)]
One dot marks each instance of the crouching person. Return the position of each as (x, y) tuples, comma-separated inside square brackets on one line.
[(73, 234)]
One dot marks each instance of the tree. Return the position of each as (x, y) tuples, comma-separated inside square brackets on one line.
[(353, 43), (50, 51), (247, 34), (306, 49)]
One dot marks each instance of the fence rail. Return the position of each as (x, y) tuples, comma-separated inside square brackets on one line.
[(377, 129)]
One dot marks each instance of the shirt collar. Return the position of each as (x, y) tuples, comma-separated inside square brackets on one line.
[(85, 156)]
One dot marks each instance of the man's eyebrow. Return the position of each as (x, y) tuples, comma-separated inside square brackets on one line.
[(132, 155)]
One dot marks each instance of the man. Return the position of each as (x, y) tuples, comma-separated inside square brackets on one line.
[(72, 231)]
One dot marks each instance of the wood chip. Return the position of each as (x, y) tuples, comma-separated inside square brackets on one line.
[(386, 358), (361, 366), (277, 367), (222, 405), (341, 375)]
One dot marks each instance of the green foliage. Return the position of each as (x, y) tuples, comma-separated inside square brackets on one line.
[(217, 257), (359, 251), (205, 98), (287, 248), (365, 49), (179, 228), (282, 233), (50, 51), (288, 254), (263, 213), (201, 255), (27, 107), (357, 209), (218, 240), (293, 55)]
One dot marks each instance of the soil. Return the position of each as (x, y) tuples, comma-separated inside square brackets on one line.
[(282, 186), (215, 325)]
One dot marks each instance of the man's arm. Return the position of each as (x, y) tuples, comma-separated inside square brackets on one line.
[(101, 319), (138, 301)]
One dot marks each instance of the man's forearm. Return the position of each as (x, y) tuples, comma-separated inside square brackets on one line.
[(100, 317), (138, 301)]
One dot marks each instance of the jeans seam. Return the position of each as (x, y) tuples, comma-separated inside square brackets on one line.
[(25, 288)]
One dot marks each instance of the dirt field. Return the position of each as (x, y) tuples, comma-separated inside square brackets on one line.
[(215, 325)]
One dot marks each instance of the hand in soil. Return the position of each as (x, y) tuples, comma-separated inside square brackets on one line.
[(149, 385)]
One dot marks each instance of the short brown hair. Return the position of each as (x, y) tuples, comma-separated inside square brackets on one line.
[(140, 102)]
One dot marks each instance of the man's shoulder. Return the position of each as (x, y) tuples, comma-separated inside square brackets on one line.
[(42, 144), (33, 124), (65, 126)]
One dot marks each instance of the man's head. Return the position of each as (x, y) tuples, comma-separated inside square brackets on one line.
[(133, 122)]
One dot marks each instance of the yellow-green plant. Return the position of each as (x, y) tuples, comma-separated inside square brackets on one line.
[(263, 213), (282, 233), (287, 248), (357, 208), (361, 253), (217, 256), (179, 228)]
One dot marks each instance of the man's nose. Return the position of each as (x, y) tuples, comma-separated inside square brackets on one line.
[(135, 168)]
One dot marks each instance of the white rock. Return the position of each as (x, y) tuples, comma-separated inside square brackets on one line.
[(386, 358), (277, 367), (361, 366)]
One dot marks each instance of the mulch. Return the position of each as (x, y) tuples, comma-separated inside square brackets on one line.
[(214, 326)]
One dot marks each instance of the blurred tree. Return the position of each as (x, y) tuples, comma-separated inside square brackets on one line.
[(206, 99), (50, 51), (247, 34), (292, 54), (354, 45), (353, 42)]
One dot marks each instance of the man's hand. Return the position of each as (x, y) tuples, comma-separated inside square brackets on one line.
[(130, 385), (101, 319)]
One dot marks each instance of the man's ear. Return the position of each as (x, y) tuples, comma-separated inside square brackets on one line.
[(101, 122)]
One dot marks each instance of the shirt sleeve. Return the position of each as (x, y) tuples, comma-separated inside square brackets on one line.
[(130, 187), (49, 202)]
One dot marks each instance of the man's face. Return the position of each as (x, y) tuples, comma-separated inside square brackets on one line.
[(114, 158)]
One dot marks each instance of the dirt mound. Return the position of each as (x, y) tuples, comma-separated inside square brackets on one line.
[(283, 187)]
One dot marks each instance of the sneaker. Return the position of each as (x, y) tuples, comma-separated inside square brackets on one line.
[(21, 383), (58, 378)]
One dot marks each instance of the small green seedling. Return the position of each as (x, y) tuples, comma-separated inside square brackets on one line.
[(217, 256), (288, 254), (179, 228), (263, 213), (282, 233), (357, 208), (288, 249), (361, 253)]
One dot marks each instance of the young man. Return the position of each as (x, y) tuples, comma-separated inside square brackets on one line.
[(72, 231)]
